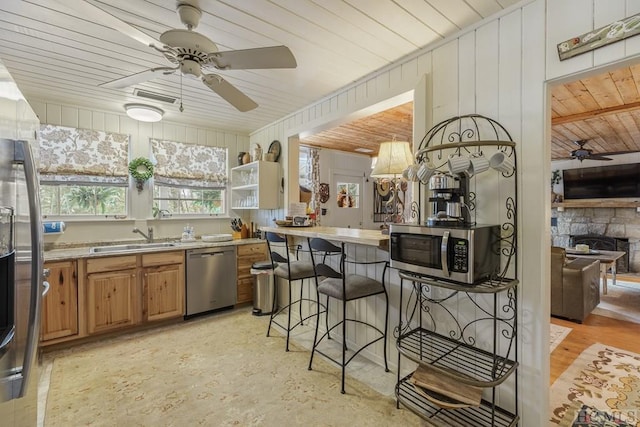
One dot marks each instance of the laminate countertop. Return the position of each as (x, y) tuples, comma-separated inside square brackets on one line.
[(85, 251), (348, 235)]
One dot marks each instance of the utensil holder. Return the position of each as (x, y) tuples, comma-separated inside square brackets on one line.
[(236, 235)]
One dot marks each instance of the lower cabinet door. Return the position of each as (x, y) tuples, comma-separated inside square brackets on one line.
[(111, 298), (60, 304), (163, 292)]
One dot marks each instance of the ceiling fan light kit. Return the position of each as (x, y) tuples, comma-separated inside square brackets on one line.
[(144, 113)]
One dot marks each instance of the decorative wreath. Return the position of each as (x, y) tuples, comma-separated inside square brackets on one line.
[(324, 192), (141, 169)]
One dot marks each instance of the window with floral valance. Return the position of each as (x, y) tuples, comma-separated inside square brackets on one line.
[(189, 179), (189, 165), (82, 155), (82, 172)]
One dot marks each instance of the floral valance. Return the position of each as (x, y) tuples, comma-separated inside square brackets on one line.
[(82, 155), (189, 165)]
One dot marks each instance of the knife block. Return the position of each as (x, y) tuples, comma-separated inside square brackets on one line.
[(242, 234)]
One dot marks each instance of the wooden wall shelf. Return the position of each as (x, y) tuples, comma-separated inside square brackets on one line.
[(598, 203)]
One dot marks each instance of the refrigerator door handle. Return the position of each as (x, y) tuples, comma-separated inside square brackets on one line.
[(23, 155)]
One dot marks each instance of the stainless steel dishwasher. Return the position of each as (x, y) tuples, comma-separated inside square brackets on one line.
[(211, 279)]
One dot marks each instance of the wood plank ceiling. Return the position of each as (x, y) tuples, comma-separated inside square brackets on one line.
[(602, 109), (59, 53)]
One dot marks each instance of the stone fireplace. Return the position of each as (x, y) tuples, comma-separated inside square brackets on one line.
[(612, 228)]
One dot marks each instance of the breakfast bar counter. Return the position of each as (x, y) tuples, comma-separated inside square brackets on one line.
[(348, 235)]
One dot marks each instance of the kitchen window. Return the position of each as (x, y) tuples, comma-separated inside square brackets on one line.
[(189, 179), (82, 172)]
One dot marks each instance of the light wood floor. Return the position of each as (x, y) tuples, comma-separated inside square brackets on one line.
[(617, 333)]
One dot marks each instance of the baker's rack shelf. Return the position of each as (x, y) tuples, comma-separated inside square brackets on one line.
[(479, 348), (435, 415), (453, 354)]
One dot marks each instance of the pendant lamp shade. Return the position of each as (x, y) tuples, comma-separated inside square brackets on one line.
[(393, 158)]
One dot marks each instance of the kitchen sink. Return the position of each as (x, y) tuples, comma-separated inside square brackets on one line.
[(131, 247)]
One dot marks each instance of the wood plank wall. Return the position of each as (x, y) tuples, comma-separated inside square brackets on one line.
[(499, 69)]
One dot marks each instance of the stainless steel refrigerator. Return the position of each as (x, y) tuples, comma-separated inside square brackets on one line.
[(21, 274)]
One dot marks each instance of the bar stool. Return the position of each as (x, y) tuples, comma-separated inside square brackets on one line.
[(345, 287), (290, 270)]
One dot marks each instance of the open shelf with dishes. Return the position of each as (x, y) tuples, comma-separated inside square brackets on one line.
[(460, 332), (255, 186)]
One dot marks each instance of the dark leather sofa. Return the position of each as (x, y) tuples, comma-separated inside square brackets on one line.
[(575, 286)]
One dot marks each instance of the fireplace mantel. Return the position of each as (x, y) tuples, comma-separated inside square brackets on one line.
[(598, 203)]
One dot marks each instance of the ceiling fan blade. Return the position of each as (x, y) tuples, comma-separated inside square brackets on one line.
[(88, 10), (228, 92), (133, 79), (614, 153), (597, 157), (253, 59)]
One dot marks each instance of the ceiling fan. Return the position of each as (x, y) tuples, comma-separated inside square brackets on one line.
[(582, 153), (191, 53)]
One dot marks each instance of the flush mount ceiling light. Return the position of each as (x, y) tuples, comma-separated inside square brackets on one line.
[(144, 113)]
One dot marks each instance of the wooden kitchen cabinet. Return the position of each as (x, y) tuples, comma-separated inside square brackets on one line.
[(60, 305), (163, 286), (247, 255), (112, 293)]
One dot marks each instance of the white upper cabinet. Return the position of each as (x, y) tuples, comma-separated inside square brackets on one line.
[(255, 186)]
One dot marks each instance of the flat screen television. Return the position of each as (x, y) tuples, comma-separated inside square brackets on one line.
[(602, 182)]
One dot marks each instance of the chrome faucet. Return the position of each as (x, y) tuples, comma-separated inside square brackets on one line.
[(148, 237)]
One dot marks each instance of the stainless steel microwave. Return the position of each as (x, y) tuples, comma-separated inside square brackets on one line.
[(465, 255)]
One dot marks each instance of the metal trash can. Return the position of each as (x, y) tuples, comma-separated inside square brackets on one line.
[(263, 283)]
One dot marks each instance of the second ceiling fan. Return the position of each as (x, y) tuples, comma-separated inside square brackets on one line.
[(582, 153), (192, 53)]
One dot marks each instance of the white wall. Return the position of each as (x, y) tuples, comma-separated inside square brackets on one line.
[(495, 69), (498, 69), (140, 203)]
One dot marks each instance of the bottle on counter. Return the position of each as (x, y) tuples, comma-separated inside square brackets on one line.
[(188, 233)]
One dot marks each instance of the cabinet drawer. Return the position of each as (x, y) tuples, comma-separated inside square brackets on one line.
[(245, 290), (162, 258), (252, 249), (111, 263)]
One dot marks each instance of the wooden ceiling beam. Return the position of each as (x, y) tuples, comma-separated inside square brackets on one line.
[(590, 114)]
